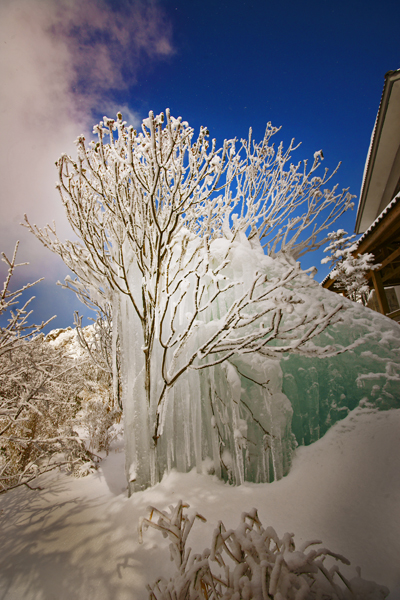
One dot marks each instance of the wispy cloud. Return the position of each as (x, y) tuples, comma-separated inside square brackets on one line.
[(107, 44), (59, 62)]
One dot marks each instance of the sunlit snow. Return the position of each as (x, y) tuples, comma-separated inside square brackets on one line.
[(77, 538)]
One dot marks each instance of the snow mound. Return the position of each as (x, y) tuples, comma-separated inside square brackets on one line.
[(77, 538)]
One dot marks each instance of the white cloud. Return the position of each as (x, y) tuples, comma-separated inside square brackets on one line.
[(59, 61)]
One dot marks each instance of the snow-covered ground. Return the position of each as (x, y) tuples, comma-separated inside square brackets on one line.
[(77, 538)]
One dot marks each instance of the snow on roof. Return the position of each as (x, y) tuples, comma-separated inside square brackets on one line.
[(379, 218), (367, 161)]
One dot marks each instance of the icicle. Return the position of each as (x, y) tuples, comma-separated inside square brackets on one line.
[(214, 424), (235, 391)]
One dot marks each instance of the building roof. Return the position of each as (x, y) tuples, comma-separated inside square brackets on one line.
[(378, 214), (389, 208), (381, 180)]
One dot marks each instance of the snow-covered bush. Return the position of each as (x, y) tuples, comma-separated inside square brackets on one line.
[(100, 412), (348, 269), (39, 388), (97, 341), (173, 233), (98, 420), (250, 563), (86, 346)]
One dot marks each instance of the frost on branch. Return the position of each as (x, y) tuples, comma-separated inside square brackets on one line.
[(172, 236), (250, 562)]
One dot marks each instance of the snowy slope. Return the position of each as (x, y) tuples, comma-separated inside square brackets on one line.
[(67, 340), (77, 539)]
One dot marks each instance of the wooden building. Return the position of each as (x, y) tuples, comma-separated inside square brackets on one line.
[(378, 214)]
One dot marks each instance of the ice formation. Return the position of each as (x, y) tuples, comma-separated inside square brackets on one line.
[(172, 235), (232, 414), (324, 391), (241, 417)]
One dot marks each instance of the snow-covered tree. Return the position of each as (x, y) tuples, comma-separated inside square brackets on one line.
[(38, 396), (173, 234), (349, 269)]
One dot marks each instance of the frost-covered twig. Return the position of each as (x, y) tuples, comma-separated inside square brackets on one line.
[(17, 327)]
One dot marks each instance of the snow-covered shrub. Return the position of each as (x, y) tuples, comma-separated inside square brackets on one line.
[(84, 468), (250, 563), (38, 403), (98, 420), (98, 414), (99, 411), (96, 382), (39, 388), (97, 341)]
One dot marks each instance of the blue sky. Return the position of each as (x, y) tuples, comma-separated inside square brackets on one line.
[(314, 68)]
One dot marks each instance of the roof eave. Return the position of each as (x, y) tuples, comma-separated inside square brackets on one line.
[(390, 78)]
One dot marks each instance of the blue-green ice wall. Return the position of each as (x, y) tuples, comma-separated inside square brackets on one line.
[(323, 390)]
